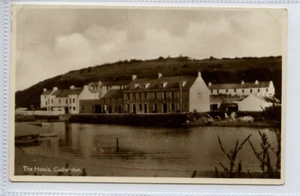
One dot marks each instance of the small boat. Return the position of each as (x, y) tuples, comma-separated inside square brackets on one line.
[(26, 139), (44, 135)]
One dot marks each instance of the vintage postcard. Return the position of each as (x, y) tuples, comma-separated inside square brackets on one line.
[(147, 94)]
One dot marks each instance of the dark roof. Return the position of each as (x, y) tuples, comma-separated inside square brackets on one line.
[(55, 92), (172, 82), (115, 83), (239, 85), (113, 93), (47, 92), (226, 98), (66, 92), (110, 83)]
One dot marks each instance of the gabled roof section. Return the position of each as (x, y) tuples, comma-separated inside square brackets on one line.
[(113, 93), (55, 93), (47, 92), (66, 92), (239, 85), (170, 82), (116, 83)]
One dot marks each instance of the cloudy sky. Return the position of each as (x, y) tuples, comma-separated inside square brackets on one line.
[(54, 41)]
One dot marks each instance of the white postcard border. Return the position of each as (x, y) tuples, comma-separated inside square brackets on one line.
[(5, 119)]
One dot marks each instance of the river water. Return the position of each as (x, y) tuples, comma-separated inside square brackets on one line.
[(148, 148)]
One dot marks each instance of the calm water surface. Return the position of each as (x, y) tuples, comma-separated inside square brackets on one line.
[(181, 149)]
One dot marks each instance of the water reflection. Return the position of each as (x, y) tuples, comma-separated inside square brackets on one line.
[(148, 147)]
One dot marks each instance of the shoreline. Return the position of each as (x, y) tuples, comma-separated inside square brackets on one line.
[(159, 120)]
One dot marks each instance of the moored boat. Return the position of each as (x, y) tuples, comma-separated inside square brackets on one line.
[(26, 139)]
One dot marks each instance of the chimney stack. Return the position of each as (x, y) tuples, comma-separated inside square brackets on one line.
[(44, 89), (133, 77), (242, 82), (256, 81), (55, 88), (209, 84), (199, 74), (159, 75), (85, 87), (72, 87)]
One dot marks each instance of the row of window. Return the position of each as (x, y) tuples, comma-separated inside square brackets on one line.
[(145, 108), (59, 101), (154, 95), (234, 90)]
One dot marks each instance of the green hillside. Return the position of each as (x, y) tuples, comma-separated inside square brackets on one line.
[(213, 70)]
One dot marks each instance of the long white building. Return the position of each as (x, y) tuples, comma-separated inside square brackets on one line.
[(243, 88)]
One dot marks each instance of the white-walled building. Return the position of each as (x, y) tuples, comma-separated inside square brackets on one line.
[(66, 99), (243, 88)]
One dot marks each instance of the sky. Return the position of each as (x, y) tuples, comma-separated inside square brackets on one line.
[(54, 40)]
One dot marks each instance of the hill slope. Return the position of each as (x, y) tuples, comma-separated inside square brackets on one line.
[(213, 70)]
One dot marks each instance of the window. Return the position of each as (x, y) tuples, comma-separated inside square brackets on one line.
[(173, 106), (211, 90), (172, 95), (234, 90), (146, 97), (66, 100), (163, 95), (267, 90), (243, 91), (70, 108), (250, 90), (45, 97), (73, 108), (258, 90), (218, 91), (199, 95), (73, 100), (52, 99), (116, 108), (82, 107), (45, 102), (59, 101), (226, 90), (70, 100), (155, 95), (141, 107)]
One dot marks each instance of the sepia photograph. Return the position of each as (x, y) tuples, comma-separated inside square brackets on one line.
[(147, 94)]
